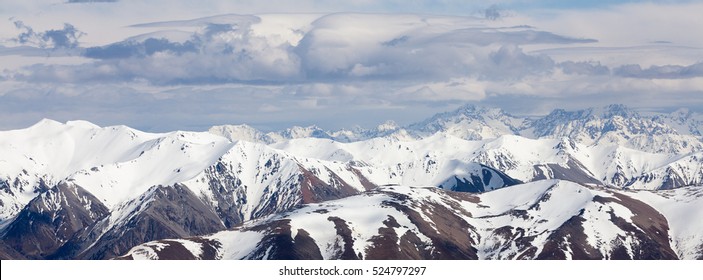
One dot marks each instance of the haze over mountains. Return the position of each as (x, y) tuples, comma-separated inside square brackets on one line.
[(590, 184)]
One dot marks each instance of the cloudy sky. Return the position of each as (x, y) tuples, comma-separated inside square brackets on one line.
[(161, 65)]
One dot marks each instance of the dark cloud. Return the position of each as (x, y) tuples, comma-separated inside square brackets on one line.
[(225, 50), (146, 48), (218, 54), (396, 41), (493, 12), (54, 38)]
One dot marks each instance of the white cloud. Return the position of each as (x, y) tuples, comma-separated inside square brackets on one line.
[(304, 67), (629, 24)]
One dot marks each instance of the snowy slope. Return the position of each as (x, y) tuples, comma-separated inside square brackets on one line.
[(614, 124), (471, 123), (38, 157), (117, 164), (236, 174), (682, 208), (522, 222), (683, 120), (172, 158), (432, 160)]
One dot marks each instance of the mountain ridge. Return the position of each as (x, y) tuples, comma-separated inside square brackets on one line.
[(128, 187), (676, 132)]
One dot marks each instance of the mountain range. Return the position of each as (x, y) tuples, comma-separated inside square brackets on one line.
[(474, 183)]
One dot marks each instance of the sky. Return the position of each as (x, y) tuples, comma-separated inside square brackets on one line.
[(161, 65)]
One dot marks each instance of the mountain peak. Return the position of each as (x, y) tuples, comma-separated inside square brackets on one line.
[(388, 125), (615, 110), (468, 108), (47, 123), (304, 132), (682, 113), (606, 112), (473, 110), (239, 132), (82, 123)]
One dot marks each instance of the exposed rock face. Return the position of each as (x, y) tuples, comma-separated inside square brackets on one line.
[(280, 184), (647, 234), (162, 212), (481, 179), (51, 219), (228, 196), (523, 222), (122, 187), (312, 189), (9, 253), (280, 243)]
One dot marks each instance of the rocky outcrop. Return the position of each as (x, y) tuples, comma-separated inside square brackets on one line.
[(51, 219), (162, 212)]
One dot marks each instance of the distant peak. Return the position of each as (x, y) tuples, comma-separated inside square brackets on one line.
[(387, 126), (47, 122), (82, 123), (682, 112), (468, 108), (231, 127), (304, 128), (605, 112), (473, 110), (615, 110)]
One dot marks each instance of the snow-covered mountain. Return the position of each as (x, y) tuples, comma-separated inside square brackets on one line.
[(77, 190), (471, 123), (683, 120), (135, 186), (615, 124), (674, 133), (529, 221)]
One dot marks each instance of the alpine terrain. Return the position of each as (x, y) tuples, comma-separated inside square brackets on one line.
[(474, 183)]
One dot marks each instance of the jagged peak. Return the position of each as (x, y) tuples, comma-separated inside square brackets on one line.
[(230, 127), (474, 110), (605, 112), (616, 110), (388, 125), (307, 131), (683, 113)]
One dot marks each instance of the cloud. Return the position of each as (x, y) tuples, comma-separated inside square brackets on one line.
[(338, 47), (660, 72), (584, 68), (493, 12), (512, 63), (92, 1), (54, 38), (335, 70), (143, 49), (515, 35)]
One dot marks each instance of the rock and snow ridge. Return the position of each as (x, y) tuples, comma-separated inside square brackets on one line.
[(529, 221), (102, 191)]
